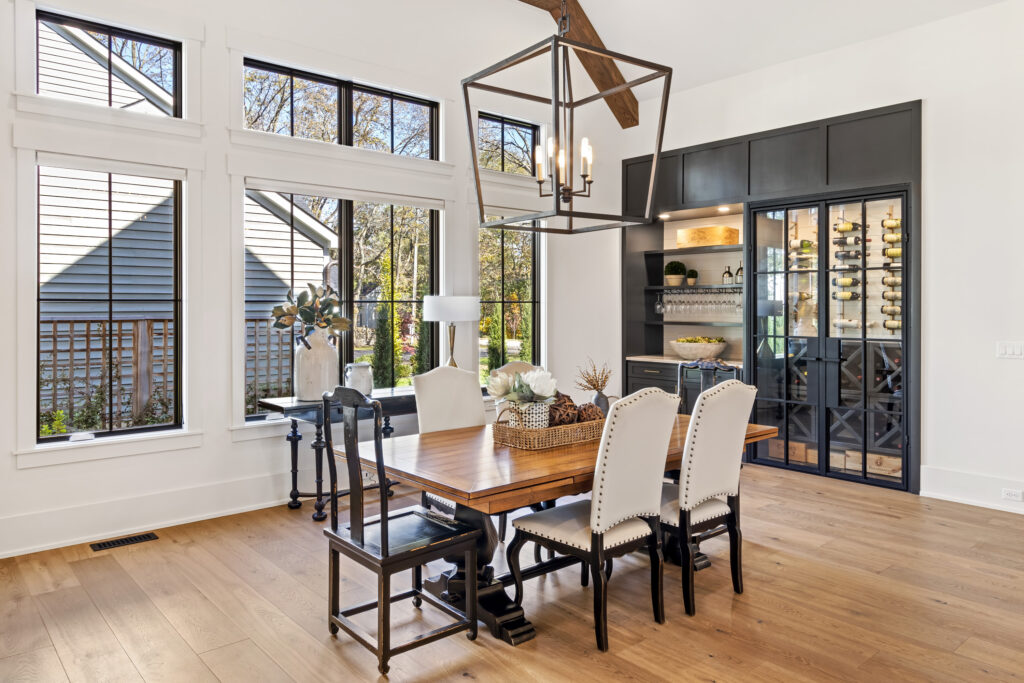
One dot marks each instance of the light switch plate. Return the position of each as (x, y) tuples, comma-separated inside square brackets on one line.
[(1009, 349), (1013, 494)]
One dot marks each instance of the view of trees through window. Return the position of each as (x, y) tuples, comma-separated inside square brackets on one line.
[(88, 62), (109, 302), (509, 303), (505, 144), (288, 102)]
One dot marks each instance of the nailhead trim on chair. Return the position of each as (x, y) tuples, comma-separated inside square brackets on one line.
[(567, 542), (689, 461)]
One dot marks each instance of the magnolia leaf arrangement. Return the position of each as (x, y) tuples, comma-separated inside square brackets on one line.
[(315, 308), (535, 386), (592, 378)]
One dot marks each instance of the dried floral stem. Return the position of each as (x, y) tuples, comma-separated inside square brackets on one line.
[(592, 378)]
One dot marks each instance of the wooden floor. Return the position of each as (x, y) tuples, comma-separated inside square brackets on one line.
[(843, 582)]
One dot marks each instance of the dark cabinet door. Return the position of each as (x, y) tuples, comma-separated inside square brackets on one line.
[(635, 183), (668, 191), (715, 174)]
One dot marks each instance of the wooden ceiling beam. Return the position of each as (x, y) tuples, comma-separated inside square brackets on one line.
[(603, 72)]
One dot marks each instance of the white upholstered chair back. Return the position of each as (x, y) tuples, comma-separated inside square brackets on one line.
[(448, 398), (714, 443), (631, 458), (514, 366)]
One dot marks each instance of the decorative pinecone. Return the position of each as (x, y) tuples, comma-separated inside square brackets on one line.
[(588, 412), (562, 411)]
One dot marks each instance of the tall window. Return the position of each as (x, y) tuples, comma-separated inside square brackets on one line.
[(509, 302), (506, 144), (289, 102), (379, 258), (87, 62), (108, 303)]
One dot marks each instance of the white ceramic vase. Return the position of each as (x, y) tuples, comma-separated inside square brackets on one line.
[(359, 376), (316, 368)]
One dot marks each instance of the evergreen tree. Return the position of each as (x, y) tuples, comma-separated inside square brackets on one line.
[(495, 340), (383, 348), (421, 359), (526, 330)]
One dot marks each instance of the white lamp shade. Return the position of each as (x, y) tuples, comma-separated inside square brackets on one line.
[(451, 309)]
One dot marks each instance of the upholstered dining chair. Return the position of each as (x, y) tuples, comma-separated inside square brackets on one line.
[(708, 493), (514, 366), (388, 543), (622, 515)]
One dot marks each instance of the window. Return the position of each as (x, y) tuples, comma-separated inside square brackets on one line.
[(288, 102), (509, 303), (505, 144), (87, 62), (108, 303), (379, 258)]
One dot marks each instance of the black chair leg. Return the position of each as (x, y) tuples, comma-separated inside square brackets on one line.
[(424, 501), (600, 604), (657, 579), (584, 574), (471, 586), (735, 553), (536, 553), (383, 623), (689, 556), (512, 558), (502, 525), (332, 590), (608, 569), (417, 583)]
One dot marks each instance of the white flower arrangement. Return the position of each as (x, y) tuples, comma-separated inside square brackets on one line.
[(535, 386)]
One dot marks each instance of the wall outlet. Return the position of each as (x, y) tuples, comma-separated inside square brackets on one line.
[(1009, 349), (1013, 494)]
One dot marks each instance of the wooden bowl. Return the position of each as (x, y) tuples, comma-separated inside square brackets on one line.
[(691, 351)]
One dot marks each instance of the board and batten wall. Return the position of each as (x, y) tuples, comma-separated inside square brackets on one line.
[(968, 71)]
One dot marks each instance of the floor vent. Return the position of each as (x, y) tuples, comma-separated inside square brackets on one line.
[(127, 540)]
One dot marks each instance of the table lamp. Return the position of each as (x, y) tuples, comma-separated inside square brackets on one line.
[(451, 309)]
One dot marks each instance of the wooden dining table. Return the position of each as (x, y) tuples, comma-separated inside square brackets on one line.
[(483, 479)]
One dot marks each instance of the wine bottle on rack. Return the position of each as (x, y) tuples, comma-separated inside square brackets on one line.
[(845, 296), (846, 226), (893, 252), (845, 281), (892, 296), (892, 237), (892, 223), (849, 255), (892, 280), (849, 241), (892, 309), (739, 275), (849, 267), (803, 245), (803, 296), (893, 324), (850, 324)]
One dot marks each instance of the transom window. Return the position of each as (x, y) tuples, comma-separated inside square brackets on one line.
[(289, 102), (509, 300), (505, 144), (109, 303), (111, 67)]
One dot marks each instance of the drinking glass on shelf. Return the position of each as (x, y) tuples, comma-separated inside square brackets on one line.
[(659, 307)]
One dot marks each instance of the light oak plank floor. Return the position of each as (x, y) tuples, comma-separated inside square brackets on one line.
[(843, 582)]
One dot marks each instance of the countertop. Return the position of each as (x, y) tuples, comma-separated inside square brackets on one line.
[(676, 360)]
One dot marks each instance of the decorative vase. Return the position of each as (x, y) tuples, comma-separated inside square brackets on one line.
[(601, 401), (529, 415), (316, 367), (359, 376)]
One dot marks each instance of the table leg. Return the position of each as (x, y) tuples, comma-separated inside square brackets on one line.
[(294, 438), (387, 430), (318, 448), (494, 607)]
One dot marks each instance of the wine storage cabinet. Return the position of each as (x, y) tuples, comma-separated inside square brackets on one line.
[(829, 294)]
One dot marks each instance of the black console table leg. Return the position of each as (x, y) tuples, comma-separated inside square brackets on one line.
[(293, 439), (387, 430), (318, 448)]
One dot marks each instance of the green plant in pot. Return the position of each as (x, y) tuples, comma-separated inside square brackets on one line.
[(691, 277), (675, 271)]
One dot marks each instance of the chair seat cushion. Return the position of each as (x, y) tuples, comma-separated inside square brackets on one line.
[(409, 529), (570, 524), (708, 510)]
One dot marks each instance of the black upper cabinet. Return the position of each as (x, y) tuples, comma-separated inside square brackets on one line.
[(668, 193), (715, 174), (875, 150), (636, 178), (788, 162)]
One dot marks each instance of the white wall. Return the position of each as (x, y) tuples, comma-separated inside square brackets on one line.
[(969, 72), (74, 492)]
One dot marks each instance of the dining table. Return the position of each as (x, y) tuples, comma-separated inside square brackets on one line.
[(484, 478)]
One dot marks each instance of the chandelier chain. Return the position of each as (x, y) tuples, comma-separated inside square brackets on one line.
[(563, 21)]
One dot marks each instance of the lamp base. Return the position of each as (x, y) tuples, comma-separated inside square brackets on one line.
[(451, 346)]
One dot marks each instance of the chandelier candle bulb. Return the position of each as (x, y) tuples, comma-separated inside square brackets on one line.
[(586, 155), (539, 158), (561, 167)]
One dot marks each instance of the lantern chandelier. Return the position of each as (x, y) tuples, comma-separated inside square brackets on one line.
[(556, 173)]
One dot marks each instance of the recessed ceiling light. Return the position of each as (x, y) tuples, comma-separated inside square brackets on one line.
[(664, 216), (723, 209)]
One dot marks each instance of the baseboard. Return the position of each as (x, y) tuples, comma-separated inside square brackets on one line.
[(55, 528), (971, 488)]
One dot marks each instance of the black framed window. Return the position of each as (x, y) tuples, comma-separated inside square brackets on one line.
[(109, 303), (509, 298), (112, 67), (505, 144), (299, 104)]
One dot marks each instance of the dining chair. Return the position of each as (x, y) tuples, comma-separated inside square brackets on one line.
[(388, 543), (514, 366), (622, 514), (707, 496)]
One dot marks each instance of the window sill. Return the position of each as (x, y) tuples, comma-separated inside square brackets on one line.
[(273, 428), (67, 452), (69, 110)]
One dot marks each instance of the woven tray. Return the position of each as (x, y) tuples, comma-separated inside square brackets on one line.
[(549, 437)]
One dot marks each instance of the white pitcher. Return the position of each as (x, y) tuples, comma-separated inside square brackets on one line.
[(359, 376), (316, 368)]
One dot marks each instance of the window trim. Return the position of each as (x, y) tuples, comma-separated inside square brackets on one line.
[(535, 301), (504, 121), (346, 89), (114, 31), (176, 301)]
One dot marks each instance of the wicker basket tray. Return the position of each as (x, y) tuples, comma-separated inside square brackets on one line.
[(549, 437)]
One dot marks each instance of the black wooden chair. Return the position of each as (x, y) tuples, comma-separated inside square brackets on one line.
[(388, 543)]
